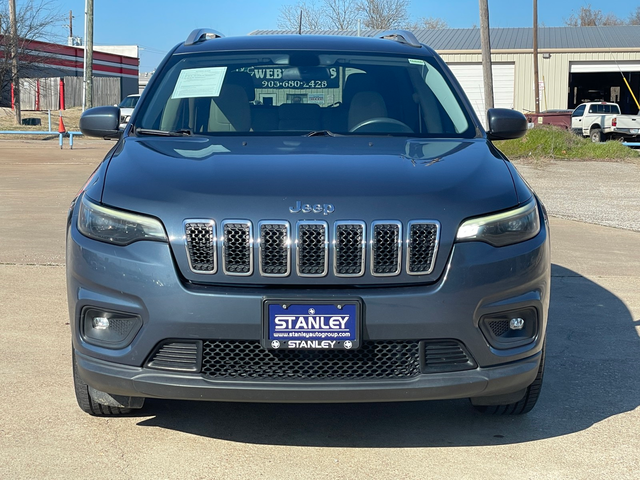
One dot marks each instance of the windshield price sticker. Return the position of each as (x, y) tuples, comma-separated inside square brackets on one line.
[(199, 82), (322, 326)]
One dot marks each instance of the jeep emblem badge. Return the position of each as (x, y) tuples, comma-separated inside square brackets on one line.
[(325, 208)]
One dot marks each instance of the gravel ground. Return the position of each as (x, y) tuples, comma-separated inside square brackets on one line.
[(602, 193)]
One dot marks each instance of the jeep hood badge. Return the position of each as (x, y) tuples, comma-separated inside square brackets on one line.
[(324, 208)]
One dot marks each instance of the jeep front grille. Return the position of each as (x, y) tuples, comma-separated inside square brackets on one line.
[(349, 250), (387, 248), (275, 249), (422, 244), (237, 247), (201, 245), (345, 246), (312, 249)]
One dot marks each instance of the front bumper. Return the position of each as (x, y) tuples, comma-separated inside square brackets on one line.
[(141, 279), (140, 382)]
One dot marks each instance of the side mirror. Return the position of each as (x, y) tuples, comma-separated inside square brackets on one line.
[(505, 124), (101, 122)]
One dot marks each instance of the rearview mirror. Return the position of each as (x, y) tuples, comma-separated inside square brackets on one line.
[(505, 124), (101, 122)]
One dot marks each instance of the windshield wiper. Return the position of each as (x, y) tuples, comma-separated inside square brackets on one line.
[(322, 133), (165, 133)]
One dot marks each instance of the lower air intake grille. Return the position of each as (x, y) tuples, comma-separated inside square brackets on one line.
[(249, 360), (181, 356), (446, 356)]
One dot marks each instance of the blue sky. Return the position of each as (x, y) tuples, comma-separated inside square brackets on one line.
[(157, 25)]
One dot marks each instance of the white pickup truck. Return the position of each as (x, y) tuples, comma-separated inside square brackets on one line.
[(602, 121)]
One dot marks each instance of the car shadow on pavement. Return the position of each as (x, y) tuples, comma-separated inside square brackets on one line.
[(591, 375)]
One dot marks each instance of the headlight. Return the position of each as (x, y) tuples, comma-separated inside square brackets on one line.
[(504, 228), (115, 226)]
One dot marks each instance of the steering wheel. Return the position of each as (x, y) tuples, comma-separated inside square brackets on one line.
[(381, 125)]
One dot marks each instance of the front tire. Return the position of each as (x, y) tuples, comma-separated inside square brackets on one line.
[(86, 402), (525, 404)]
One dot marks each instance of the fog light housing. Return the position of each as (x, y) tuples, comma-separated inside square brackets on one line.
[(510, 329), (109, 329)]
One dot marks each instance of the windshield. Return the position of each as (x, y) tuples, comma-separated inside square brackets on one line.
[(276, 93), (129, 102)]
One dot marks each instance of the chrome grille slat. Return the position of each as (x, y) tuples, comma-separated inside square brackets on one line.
[(312, 249), (237, 247), (349, 249), (422, 246), (275, 249), (386, 253), (200, 240)]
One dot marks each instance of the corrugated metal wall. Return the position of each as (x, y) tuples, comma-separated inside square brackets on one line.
[(553, 71)]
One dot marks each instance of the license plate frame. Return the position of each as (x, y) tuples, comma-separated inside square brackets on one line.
[(316, 333)]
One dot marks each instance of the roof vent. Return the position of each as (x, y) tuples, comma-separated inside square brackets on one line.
[(401, 36), (202, 34)]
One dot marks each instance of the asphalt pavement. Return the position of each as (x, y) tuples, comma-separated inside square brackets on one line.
[(586, 424), (604, 193)]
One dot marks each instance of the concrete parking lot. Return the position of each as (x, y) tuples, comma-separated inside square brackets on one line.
[(585, 426)]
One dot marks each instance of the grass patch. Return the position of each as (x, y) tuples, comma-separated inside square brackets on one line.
[(549, 142), (70, 117)]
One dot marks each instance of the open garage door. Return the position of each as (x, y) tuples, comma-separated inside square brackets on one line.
[(602, 82), (470, 77)]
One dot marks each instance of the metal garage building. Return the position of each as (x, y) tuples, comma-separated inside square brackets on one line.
[(576, 64)]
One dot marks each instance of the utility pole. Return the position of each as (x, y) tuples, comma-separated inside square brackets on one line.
[(88, 55), (536, 85), (70, 24), (485, 42), (14, 61)]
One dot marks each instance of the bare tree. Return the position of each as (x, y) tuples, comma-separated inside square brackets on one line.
[(35, 19), (341, 14), (590, 17), (430, 23), (384, 14), (634, 18), (344, 15)]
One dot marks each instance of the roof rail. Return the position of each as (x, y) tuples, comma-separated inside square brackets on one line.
[(401, 36), (202, 34)]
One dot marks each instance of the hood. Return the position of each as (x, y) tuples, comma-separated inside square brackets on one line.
[(364, 179)]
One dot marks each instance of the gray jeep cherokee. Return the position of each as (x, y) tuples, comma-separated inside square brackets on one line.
[(306, 219)]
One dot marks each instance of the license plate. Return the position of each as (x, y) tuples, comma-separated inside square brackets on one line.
[(312, 325)]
